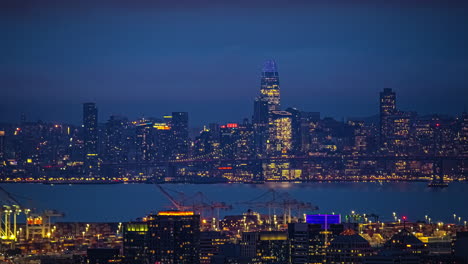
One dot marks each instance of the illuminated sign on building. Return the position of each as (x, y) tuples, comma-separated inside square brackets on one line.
[(323, 219), (230, 125), (161, 126), (176, 213)]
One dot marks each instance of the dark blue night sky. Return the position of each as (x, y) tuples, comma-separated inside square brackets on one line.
[(151, 58)]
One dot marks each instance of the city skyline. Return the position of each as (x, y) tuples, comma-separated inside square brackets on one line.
[(135, 62), (233, 132), (269, 65)]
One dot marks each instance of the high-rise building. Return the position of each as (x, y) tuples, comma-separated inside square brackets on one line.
[(309, 122), (399, 138), (210, 243), (296, 122), (144, 140), (174, 237), (248, 244), (90, 126), (161, 138), (307, 243), (463, 134), (260, 126), (180, 134), (2, 144), (273, 247), (280, 133), (135, 245), (264, 105), (387, 109), (270, 89), (117, 140)]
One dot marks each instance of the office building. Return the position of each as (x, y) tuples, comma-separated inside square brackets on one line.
[(307, 243), (387, 109), (270, 89), (280, 134), (180, 134), (348, 247), (210, 243), (135, 242), (272, 247), (174, 237), (90, 132)]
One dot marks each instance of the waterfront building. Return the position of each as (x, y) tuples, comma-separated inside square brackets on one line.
[(90, 132), (387, 109), (180, 135), (280, 134), (117, 140), (260, 126), (144, 140)]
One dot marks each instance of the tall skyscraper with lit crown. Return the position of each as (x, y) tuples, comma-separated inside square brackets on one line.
[(264, 105), (270, 89)]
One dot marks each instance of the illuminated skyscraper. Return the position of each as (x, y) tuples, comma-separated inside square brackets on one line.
[(306, 243), (174, 237), (90, 127), (135, 246), (270, 90), (144, 140), (116, 140), (264, 105), (296, 122), (463, 134), (387, 109), (210, 243), (180, 135), (280, 133), (260, 126)]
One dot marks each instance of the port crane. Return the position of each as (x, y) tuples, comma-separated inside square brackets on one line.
[(274, 200), (37, 224), (197, 203)]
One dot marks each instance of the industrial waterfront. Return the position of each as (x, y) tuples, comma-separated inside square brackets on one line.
[(126, 202)]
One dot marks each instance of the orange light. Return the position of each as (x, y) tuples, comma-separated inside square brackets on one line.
[(176, 213)]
